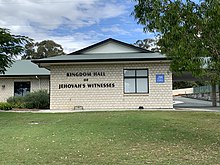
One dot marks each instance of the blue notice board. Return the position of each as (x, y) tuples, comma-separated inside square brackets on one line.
[(160, 78)]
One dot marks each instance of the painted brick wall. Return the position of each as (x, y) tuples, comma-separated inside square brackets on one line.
[(8, 90), (160, 95)]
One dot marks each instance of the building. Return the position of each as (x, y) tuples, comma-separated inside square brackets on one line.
[(23, 77), (108, 75)]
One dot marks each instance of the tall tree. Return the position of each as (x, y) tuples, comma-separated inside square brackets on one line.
[(43, 49), (149, 44), (189, 33), (10, 47)]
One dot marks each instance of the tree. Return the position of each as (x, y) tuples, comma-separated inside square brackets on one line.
[(43, 49), (149, 44), (10, 47), (189, 34)]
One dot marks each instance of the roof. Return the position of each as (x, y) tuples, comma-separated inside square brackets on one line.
[(103, 57), (112, 53), (25, 68), (82, 51)]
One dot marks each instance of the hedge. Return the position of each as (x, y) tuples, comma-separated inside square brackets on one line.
[(37, 99), (5, 106)]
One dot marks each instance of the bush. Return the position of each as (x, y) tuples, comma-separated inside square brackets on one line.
[(38, 99), (5, 106), (17, 101)]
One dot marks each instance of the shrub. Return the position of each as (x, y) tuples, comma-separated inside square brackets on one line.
[(17, 101), (5, 106), (38, 99)]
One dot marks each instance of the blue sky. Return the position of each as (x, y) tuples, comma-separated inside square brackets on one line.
[(74, 24)]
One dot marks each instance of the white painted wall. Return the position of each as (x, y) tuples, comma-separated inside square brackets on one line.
[(182, 91), (111, 48), (8, 83)]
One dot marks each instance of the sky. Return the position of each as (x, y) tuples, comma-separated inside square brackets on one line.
[(74, 24)]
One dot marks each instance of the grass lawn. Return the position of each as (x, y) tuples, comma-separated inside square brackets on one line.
[(98, 138)]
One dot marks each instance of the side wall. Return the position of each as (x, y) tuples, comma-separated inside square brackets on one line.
[(160, 94), (7, 85)]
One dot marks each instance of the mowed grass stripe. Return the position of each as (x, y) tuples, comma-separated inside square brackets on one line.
[(143, 137)]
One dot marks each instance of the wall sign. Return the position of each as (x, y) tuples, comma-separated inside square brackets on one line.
[(85, 74), (160, 78), (93, 85), (85, 77)]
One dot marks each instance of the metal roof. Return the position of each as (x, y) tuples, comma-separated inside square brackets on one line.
[(83, 55), (25, 68), (106, 57)]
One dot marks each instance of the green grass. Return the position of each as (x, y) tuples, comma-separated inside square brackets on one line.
[(110, 138)]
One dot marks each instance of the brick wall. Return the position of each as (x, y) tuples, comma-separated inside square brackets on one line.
[(8, 82), (160, 94)]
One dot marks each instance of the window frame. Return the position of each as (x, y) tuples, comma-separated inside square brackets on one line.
[(135, 77), (22, 92)]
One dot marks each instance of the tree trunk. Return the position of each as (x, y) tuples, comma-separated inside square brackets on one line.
[(219, 94), (214, 98)]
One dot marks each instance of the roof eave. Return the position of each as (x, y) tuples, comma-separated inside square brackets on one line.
[(99, 60), (32, 75)]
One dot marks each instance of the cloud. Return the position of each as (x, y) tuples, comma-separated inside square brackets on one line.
[(115, 29), (78, 40), (41, 19), (77, 13), (139, 30)]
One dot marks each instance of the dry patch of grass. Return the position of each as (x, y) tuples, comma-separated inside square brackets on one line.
[(110, 138)]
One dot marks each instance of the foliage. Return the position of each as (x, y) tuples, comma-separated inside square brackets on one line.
[(187, 84), (122, 138), (149, 44), (37, 99), (5, 106), (17, 101), (189, 33), (43, 49), (10, 46)]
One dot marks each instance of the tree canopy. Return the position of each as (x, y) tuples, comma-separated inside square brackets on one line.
[(149, 44), (189, 33), (10, 47), (43, 49)]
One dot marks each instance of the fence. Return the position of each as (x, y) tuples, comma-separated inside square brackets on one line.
[(203, 93), (204, 89)]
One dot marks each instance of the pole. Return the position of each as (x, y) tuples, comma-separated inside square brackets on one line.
[(214, 99)]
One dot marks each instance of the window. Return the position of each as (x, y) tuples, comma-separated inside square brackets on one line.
[(136, 81), (22, 88)]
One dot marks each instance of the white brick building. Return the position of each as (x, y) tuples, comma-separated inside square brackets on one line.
[(109, 75)]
